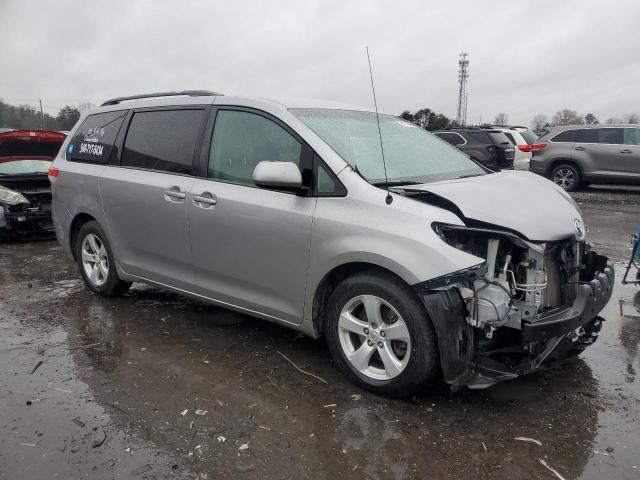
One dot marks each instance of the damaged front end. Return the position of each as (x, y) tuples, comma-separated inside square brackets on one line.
[(25, 207), (528, 305)]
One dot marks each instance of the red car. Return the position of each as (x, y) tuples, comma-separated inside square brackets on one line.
[(25, 190)]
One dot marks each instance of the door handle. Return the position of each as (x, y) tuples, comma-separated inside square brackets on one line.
[(204, 200), (580, 148), (626, 150), (174, 194)]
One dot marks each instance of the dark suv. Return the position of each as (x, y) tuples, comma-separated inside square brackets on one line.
[(572, 156), (490, 148)]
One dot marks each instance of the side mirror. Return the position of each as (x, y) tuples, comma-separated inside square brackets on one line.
[(278, 176)]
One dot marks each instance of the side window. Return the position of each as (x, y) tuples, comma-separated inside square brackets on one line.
[(451, 138), (480, 137), (566, 136), (93, 141), (241, 140), (326, 184), (510, 137), (632, 136), (163, 140), (612, 136)]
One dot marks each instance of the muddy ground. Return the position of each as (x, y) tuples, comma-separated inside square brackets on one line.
[(156, 386)]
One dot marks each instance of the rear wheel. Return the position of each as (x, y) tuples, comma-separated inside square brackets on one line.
[(96, 262), (379, 334), (566, 176)]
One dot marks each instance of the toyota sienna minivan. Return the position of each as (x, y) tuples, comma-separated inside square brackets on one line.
[(413, 265)]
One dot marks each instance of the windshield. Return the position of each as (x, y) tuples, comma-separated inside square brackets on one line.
[(20, 167), (412, 154)]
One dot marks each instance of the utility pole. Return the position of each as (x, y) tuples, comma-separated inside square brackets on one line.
[(463, 78), (41, 113)]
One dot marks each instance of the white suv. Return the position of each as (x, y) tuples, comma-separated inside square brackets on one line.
[(521, 137)]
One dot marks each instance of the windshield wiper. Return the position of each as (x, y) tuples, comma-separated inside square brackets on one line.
[(395, 183), (470, 175)]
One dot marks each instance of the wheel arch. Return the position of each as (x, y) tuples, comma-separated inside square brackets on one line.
[(76, 224), (332, 279), (564, 160)]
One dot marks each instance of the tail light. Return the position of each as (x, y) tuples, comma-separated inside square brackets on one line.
[(53, 173), (531, 148)]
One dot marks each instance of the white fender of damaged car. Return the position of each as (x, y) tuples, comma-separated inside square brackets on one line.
[(362, 227)]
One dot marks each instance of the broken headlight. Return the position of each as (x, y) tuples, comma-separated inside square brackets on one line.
[(10, 197)]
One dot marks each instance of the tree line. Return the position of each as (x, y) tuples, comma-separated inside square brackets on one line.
[(29, 118), (427, 119), (572, 117)]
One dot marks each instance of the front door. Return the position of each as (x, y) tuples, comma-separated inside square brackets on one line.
[(250, 246), (146, 198)]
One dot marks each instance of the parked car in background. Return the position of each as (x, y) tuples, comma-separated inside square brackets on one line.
[(522, 154), (574, 156), (491, 148), (426, 263), (25, 190)]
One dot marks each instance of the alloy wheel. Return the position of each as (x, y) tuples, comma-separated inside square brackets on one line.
[(374, 337), (95, 260), (564, 177)]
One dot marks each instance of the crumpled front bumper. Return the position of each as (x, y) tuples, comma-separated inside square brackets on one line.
[(555, 335), (591, 298)]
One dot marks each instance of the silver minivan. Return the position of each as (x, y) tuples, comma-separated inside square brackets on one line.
[(423, 263)]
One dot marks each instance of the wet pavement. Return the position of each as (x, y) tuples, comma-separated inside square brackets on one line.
[(153, 385)]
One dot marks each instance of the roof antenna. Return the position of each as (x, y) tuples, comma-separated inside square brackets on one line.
[(389, 198)]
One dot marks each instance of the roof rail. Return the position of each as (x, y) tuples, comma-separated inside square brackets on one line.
[(183, 93)]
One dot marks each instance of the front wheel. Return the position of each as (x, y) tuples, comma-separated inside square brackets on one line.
[(96, 262), (380, 335), (566, 176)]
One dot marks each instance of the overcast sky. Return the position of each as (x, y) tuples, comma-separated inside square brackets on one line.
[(526, 57)]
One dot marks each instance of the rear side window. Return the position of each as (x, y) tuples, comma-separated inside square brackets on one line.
[(500, 138), (163, 140), (241, 140), (451, 138), (93, 141), (529, 136), (510, 137), (566, 136), (479, 137), (614, 136), (632, 136)]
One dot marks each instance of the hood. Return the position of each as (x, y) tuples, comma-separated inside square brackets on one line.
[(522, 202), (26, 183)]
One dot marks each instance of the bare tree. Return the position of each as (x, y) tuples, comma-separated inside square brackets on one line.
[(631, 118), (539, 121), (613, 121), (501, 119), (591, 119), (567, 117)]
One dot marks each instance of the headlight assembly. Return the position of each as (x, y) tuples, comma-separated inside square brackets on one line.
[(10, 197)]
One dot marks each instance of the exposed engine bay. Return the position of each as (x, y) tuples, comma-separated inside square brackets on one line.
[(528, 304)]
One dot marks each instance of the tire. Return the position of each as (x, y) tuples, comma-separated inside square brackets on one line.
[(96, 262), (396, 304), (566, 176)]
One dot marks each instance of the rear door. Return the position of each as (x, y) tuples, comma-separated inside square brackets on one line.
[(599, 151), (250, 245), (146, 198), (631, 152)]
